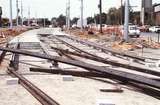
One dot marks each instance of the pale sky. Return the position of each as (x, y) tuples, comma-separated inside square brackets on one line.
[(53, 8)]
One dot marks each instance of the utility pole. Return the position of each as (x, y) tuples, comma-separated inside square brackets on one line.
[(126, 20), (36, 18), (0, 16), (11, 22), (100, 17), (81, 15), (21, 13), (68, 14), (17, 12), (29, 16), (44, 22), (121, 12)]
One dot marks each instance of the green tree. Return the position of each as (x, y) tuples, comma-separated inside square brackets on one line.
[(135, 18), (90, 20), (114, 16), (53, 21), (61, 20), (74, 20), (104, 18), (5, 21)]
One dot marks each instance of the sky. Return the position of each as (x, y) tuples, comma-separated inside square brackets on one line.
[(53, 8)]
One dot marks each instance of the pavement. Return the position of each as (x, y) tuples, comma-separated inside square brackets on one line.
[(153, 36)]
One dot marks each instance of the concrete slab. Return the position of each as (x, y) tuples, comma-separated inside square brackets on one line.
[(104, 102), (12, 81), (67, 78), (29, 36)]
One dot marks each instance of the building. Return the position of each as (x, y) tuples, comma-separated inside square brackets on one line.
[(146, 12), (157, 14)]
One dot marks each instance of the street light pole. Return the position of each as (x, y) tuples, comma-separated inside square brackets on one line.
[(21, 13), (81, 15), (11, 22), (17, 11), (126, 20), (68, 14), (121, 12), (29, 16), (44, 21)]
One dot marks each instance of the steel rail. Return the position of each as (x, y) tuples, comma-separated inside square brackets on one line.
[(73, 47), (105, 49), (46, 51), (42, 97), (121, 75), (14, 63), (100, 59), (91, 75), (69, 72), (3, 55), (66, 55), (54, 63)]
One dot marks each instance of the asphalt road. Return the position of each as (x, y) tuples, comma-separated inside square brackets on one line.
[(153, 36)]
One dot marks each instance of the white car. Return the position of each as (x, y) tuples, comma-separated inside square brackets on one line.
[(133, 31), (154, 29)]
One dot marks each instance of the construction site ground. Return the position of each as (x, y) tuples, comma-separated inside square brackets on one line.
[(81, 91), (146, 45)]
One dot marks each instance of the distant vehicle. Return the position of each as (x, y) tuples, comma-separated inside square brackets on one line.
[(133, 31), (154, 28), (144, 28), (50, 26), (34, 24)]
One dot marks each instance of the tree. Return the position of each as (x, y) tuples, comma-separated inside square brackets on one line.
[(90, 20), (47, 22), (114, 16), (5, 21), (121, 11), (104, 18), (135, 18), (61, 20), (74, 20), (53, 21)]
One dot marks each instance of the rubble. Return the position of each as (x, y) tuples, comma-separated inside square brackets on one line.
[(6, 33), (124, 46)]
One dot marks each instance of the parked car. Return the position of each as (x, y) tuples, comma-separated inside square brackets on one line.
[(144, 28), (154, 28), (133, 31)]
